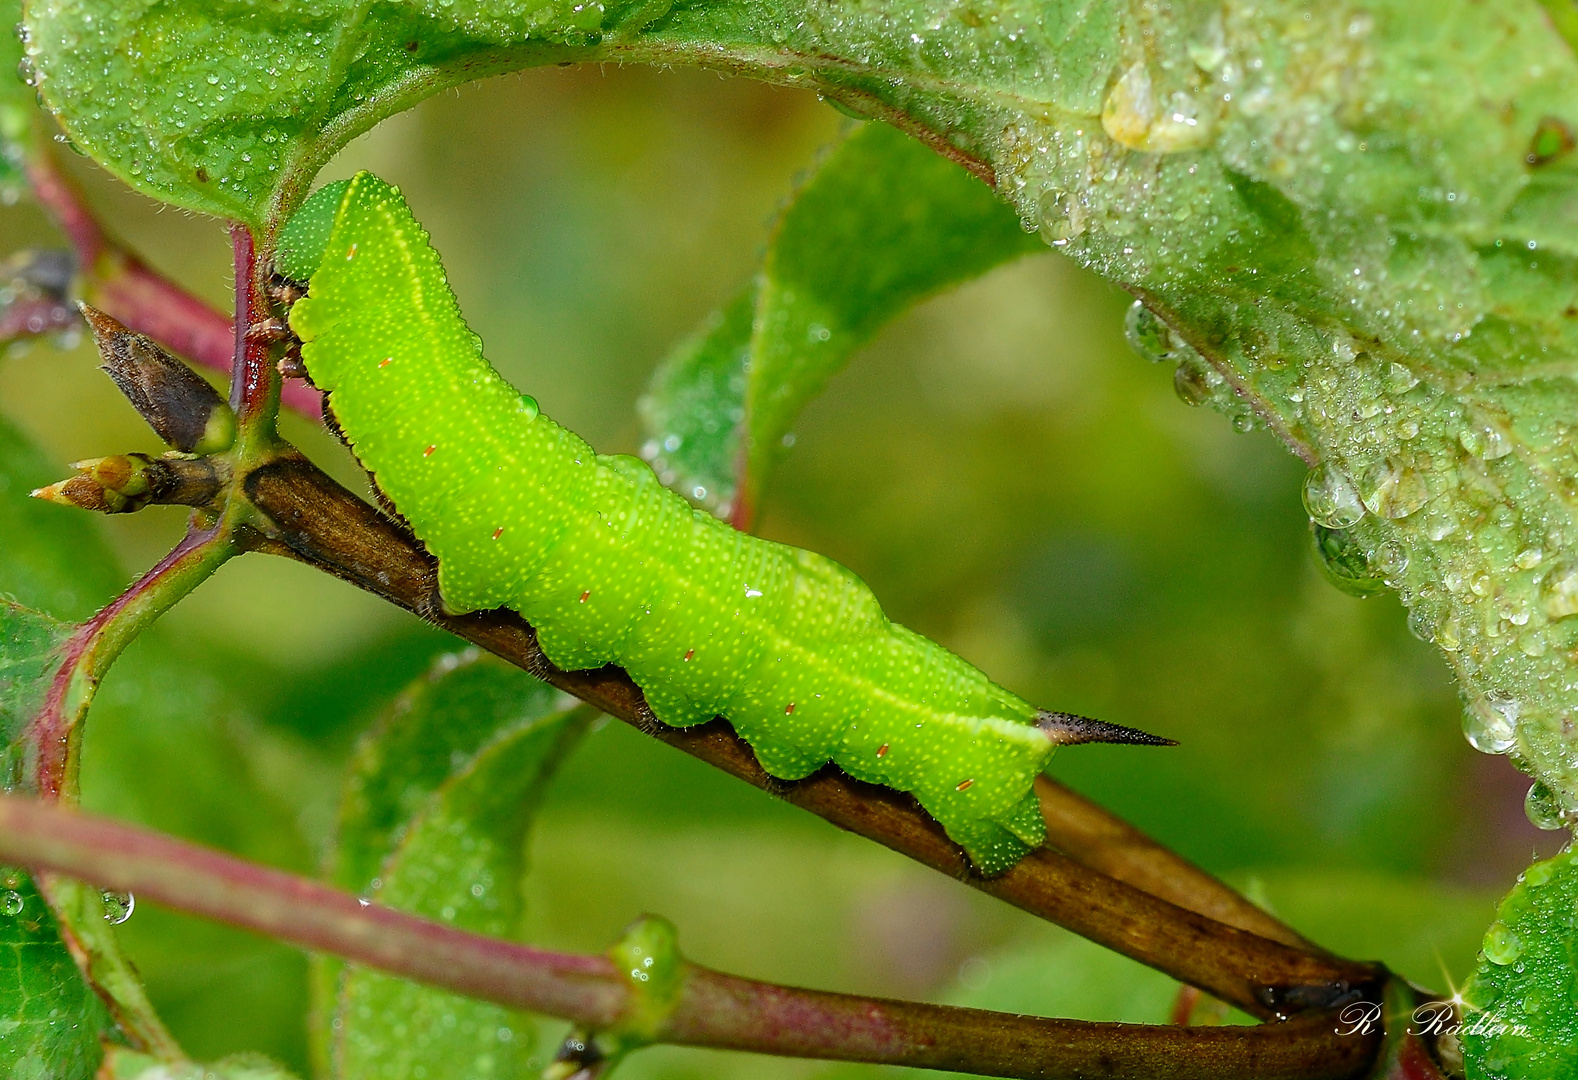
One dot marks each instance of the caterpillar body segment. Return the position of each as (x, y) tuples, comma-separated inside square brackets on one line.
[(611, 567)]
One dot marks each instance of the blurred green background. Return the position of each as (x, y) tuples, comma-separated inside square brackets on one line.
[(1003, 471)]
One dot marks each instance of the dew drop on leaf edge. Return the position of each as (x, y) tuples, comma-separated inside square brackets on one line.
[(1501, 944), (1490, 724), (1330, 500), (1543, 809), (1343, 561)]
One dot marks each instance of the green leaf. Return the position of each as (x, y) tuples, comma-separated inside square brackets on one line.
[(883, 223), (435, 822), (214, 107), (123, 1064), (28, 657), (50, 1021), (1521, 1007), (18, 111), (51, 557)]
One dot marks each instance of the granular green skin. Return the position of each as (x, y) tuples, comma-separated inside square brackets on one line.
[(611, 567), (1521, 1007)]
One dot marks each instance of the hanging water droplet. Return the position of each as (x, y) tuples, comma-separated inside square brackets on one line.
[(1060, 217), (1147, 335), (1344, 562), (1194, 382), (1490, 724), (1391, 560), (118, 906), (528, 407), (1422, 623), (1501, 944), (12, 903), (1393, 490), (1543, 808), (1330, 499)]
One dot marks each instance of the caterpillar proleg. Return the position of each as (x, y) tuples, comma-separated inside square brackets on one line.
[(611, 567)]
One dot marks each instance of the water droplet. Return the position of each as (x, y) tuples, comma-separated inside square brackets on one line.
[(1501, 944), (1393, 490), (1485, 441), (528, 407), (1147, 335), (12, 903), (1330, 499), (1543, 808), (1559, 592), (1344, 562), (1400, 380), (118, 906), (1060, 216), (1194, 382), (1391, 560), (1490, 724), (1422, 623)]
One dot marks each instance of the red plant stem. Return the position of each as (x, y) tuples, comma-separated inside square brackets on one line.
[(711, 1009), (253, 380), (51, 735), (118, 282)]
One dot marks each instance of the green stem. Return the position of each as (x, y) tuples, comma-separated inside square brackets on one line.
[(52, 739)]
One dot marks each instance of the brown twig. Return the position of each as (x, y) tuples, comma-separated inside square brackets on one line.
[(710, 1009), (311, 518), (1103, 841)]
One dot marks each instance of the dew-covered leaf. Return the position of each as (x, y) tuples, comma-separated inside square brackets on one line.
[(1352, 225), (212, 106), (435, 821), (848, 254), (50, 1020), (1520, 1009), (123, 1064)]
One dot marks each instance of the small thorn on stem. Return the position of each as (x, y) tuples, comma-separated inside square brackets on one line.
[(1066, 729)]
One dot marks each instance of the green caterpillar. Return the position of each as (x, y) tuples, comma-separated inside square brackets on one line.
[(611, 567)]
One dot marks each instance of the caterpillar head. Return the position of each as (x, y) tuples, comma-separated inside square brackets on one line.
[(301, 245)]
